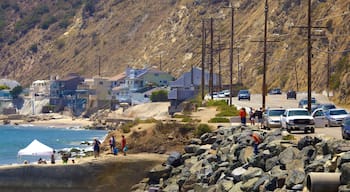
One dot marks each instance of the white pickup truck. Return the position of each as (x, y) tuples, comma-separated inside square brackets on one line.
[(297, 119)]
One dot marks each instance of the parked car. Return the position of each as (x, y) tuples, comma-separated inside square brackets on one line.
[(303, 103), (335, 116), (326, 106), (272, 118), (221, 94), (243, 94), (297, 119), (345, 128), (275, 91), (291, 94), (320, 118)]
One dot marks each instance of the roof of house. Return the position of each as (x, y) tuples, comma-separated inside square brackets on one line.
[(118, 77)]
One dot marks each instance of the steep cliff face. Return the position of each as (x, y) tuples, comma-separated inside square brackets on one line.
[(81, 35)]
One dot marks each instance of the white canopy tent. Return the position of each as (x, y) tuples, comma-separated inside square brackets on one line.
[(36, 148)]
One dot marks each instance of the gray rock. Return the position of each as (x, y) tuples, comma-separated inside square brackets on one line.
[(345, 158), (211, 158), (344, 188), (226, 185), (159, 172), (270, 163), (296, 164), (195, 141), (171, 188), (191, 148), (238, 172), (309, 153), (288, 155), (237, 187), (249, 184), (251, 173), (345, 174), (294, 177)]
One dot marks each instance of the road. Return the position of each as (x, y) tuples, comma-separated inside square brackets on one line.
[(281, 101)]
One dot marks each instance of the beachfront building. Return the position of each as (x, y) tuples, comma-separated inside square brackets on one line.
[(63, 93), (40, 89), (187, 86)]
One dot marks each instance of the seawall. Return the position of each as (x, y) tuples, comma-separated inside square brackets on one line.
[(111, 174)]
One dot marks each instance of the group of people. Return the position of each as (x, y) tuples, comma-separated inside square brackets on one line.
[(253, 115), (112, 144)]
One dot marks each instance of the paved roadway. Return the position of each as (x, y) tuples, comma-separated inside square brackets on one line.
[(281, 101)]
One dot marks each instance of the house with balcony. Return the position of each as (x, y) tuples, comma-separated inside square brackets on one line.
[(63, 93), (187, 86)]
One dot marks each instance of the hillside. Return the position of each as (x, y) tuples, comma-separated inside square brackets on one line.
[(43, 38)]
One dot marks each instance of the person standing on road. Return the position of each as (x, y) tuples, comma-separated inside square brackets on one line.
[(252, 116), (259, 115), (124, 147), (243, 116)]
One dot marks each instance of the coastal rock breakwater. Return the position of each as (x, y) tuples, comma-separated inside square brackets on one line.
[(224, 161)]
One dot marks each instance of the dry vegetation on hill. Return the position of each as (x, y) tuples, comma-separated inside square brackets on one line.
[(47, 37)]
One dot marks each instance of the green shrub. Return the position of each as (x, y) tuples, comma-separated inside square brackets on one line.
[(288, 137), (187, 119), (216, 103), (64, 23), (16, 91), (49, 21), (160, 95), (202, 128), (186, 128), (2, 87), (219, 120)]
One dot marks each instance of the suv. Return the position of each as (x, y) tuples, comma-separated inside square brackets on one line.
[(297, 119), (243, 94), (291, 94)]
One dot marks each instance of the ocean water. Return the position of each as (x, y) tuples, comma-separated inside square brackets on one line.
[(13, 138)]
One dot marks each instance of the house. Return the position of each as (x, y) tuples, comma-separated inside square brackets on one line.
[(63, 92), (140, 80), (40, 88), (187, 86)]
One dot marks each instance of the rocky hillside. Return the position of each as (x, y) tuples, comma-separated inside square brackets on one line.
[(42, 38)]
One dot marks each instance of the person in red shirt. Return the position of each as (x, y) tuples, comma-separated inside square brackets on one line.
[(124, 147), (257, 140), (243, 116)]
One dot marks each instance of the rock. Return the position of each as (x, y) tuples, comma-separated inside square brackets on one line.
[(294, 177), (344, 188), (195, 141), (288, 155), (249, 184), (305, 141), (191, 148), (251, 173), (238, 172), (237, 187), (271, 162), (309, 153), (159, 172), (296, 164), (174, 159), (345, 174), (226, 185)]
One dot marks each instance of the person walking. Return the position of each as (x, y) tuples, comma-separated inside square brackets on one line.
[(53, 157), (259, 115), (243, 116), (97, 144), (252, 116), (124, 147), (112, 144)]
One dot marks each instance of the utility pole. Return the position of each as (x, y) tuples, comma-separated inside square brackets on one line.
[(309, 57), (328, 67), (220, 79), (231, 51), (160, 61), (99, 66), (265, 55), (239, 72), (203, 57), (211, 58)]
